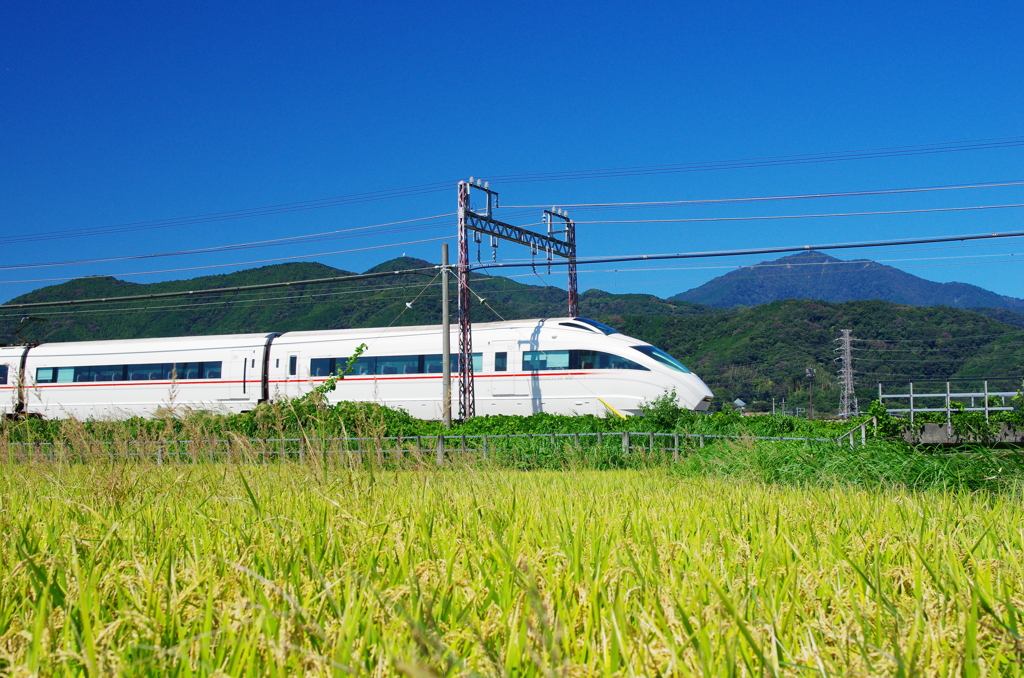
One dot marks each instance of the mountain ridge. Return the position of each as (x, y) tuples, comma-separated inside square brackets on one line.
[(815, 275)]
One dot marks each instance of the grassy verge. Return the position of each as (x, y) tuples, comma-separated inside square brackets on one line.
[(290, 569)]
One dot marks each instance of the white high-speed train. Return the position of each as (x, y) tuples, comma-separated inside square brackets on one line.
[(555, 365)]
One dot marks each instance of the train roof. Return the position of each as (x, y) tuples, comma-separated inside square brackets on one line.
[(218, 341), (359, 332)]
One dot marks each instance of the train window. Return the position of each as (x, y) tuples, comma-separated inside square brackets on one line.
[(501, 362), (207, 370), (607, 329), (663, 358), (150, 372), (534, 361), (324, 367), (100, 373), (545, 360), (599, 360), (577, 326), (293, 365), (384, 365), (400, 364), (432, 364), (320, 367), (141, 372), (3, 374)]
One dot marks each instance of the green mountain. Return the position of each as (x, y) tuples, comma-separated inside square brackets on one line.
[(814, 275), (365, 303), (754, 353)]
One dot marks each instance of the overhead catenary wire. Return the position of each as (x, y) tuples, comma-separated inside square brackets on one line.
[(764, 250), (238, 263), (262, 300), (274, 242), (771, 198), (218, 290), (435, 187), (229, 215), (770, 161), (777, 217)]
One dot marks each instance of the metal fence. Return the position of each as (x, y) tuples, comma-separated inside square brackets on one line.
[(939, 395), (437, 448)]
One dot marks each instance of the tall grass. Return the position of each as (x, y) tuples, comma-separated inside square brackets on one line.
[(288, 569)]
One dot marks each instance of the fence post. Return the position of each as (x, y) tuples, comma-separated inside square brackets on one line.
[(986, 400), (911, 404), (864, 433), (600, 438), (651, 443), (949, 422), (440, 449), (675, 448), (625, 442), (702, 440)]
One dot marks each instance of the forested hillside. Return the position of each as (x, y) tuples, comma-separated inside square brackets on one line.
[(760, 352), (751, 353)]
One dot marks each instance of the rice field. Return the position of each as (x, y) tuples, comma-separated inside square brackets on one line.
[(297, 569)]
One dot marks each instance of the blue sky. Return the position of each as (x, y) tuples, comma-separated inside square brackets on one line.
[(134, 112)]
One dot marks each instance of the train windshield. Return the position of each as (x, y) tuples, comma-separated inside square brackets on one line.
[(601, 326), (663, 358)]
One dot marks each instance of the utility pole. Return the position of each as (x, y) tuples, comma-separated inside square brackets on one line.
[(810, 381), (847, 396), (446, 343)]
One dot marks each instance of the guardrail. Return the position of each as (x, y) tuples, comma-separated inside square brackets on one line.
[(949, 396), (353, 449), (863, 429)]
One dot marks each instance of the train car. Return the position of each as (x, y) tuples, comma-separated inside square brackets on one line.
[(10, 368), (138, 377), (557, 365)]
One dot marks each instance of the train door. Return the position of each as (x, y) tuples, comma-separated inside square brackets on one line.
[(245, 376), (292, 376), (508, 379)]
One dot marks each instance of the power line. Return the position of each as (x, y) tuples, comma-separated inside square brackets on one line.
[(770, 161), (238, 263), (291, 240), (804, 216), (720, 201), (435, 187), (765, 250), (263, 301), (219, 290), (232, 214)]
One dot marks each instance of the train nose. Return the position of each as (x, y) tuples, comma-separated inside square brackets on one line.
[(699, 395)]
